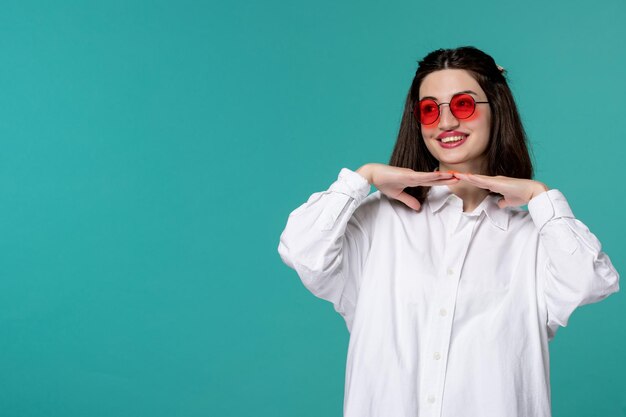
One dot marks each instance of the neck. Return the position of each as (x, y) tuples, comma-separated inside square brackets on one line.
[(471, 195)]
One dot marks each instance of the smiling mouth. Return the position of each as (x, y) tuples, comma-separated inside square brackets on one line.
[(452, 139)]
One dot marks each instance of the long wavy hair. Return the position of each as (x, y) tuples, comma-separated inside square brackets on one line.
[(507, 152)]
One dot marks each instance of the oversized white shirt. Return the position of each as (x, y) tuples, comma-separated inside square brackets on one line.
[(449, 313)]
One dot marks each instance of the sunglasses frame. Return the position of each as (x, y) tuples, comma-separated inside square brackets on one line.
[(416, 108)]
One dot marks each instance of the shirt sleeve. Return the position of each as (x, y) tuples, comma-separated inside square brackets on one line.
[(577, 272), (326, 242)]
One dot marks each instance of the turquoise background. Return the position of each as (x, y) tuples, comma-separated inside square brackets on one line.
[(152, 151)]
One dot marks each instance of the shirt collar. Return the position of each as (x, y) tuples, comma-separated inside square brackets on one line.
[(440, 195)]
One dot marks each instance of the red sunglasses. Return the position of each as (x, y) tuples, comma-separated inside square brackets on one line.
[(462, 106)]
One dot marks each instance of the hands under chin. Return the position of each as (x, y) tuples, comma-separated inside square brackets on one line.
[(392, 181)]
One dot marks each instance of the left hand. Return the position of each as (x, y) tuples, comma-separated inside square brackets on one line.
[(515, 191)]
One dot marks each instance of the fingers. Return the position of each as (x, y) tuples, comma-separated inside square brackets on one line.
[(431, 178), (440, 178), (477, 180), (434, 174), (465, 175), (440, 182)]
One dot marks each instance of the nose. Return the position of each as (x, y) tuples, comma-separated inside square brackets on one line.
[(447, 121)]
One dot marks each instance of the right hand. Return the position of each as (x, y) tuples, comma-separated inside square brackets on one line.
[(391, 181)]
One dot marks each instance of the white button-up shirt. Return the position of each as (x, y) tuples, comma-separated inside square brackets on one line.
[(449, 312)]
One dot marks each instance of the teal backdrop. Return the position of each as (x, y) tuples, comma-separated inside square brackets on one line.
[(152, 151)]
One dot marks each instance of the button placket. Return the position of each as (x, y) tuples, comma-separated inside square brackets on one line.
[(441, 323)]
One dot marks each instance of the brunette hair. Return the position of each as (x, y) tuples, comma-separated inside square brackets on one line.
[(507, 152)]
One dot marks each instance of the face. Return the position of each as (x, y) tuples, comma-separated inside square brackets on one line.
[(469, 154)]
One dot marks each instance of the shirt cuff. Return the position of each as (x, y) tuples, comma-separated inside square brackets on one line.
[(351, 183), (548, 205)]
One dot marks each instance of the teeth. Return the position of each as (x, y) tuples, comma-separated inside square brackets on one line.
[(452, 139)]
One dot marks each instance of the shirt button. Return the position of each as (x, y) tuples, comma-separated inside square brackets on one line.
[(437, 356), (431, 399), (450, 271), (443, 312)]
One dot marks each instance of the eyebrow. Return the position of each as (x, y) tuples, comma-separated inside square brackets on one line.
[(459, 92)]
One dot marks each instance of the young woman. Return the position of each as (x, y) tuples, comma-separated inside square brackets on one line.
[(449, 289)]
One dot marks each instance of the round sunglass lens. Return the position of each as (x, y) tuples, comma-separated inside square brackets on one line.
[(428, 111), (462, 106)]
